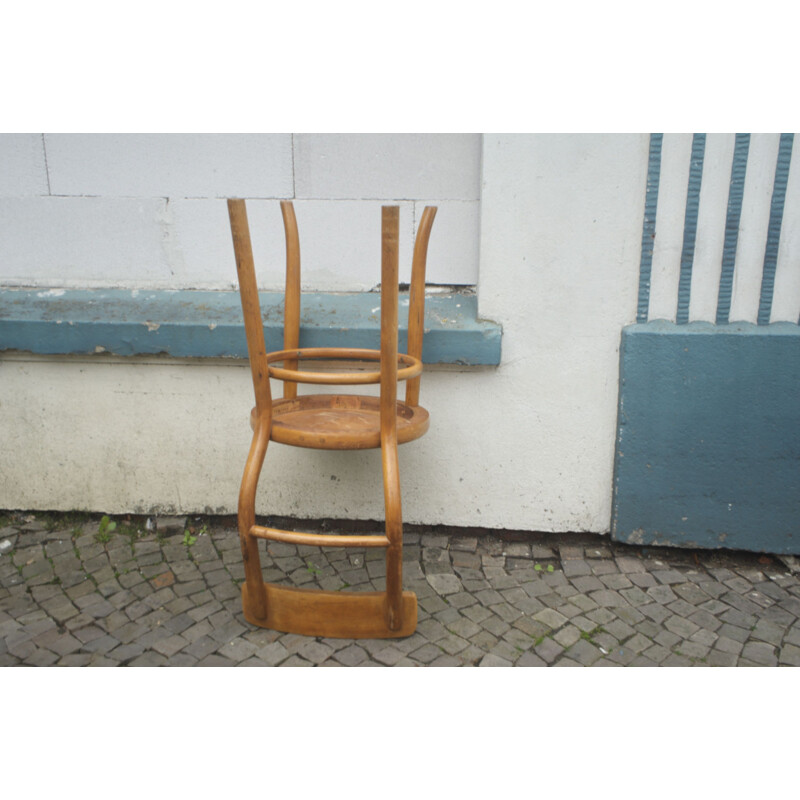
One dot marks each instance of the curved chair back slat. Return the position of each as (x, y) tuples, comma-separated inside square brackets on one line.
[(251, 308), (416, 303), (291, 302)]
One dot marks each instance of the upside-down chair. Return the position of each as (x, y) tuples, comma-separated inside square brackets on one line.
[(332, 422)]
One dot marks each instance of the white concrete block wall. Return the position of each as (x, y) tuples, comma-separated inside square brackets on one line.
[(147, 210), (170, 165), (23, 171)]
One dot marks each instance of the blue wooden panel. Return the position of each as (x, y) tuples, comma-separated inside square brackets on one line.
[(708, 448), (209, 324)]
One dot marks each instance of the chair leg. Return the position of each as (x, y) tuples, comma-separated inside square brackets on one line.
[(256, 598), (394, 533)]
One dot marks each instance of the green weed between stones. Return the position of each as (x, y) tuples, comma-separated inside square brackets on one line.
[(107, 527), (188, 539), (540, 568)]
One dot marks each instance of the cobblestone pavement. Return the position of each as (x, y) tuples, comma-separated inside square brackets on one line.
[(86, 591)]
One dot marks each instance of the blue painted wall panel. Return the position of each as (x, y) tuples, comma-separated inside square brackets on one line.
[(708, 451)]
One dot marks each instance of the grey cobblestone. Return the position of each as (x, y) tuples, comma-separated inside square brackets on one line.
[(68, 599)]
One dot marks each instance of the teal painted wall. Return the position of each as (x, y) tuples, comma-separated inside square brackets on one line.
[(708, 450)]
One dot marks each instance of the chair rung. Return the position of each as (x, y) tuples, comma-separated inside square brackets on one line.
[(317, 539)]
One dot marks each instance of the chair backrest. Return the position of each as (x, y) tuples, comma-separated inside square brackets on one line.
[(291, 331)]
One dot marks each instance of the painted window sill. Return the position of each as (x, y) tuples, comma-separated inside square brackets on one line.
[(208, 324)]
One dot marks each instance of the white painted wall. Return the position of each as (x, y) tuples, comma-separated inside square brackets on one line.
[(148, 210), (527, 445)]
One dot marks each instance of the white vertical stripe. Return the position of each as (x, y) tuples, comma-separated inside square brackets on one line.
[(753, 227), (665, 275), (786, 299), (711, 217)]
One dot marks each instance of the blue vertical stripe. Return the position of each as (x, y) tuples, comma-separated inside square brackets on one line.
[(690, 226), (649, 226), (735, 195), (774, 229)]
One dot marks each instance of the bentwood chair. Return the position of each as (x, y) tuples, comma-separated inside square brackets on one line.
[(332, 422)]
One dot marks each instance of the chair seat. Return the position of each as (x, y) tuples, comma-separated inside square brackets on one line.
[(340, 422)]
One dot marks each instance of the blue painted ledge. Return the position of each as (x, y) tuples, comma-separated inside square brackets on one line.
[(202, 324)]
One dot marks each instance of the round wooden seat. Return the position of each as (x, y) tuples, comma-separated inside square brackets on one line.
[(340, 422)]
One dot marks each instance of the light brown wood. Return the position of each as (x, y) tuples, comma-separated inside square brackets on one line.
[(318, 539), (251, 310), (390, 226), (334, 615), (416, 298), (337, 422), (341, 422), (413, 366), (291, 300)]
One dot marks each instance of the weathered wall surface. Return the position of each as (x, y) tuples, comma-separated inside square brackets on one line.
[(548, 228)]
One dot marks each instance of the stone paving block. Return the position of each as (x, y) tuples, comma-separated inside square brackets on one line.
[(704, 636), (608, 598), (656, 612), (667, 638), (789, 655), (727, 645), (548, 650), (568, 636), (464, 627), (353, 655), (693, 650), (644, 580), (508, 651), (735, 617), (520, 640), (704, 619), (793, 635), (616, 582), (761, 653), (506, 612), (734, 632), (237, 650), (619, 629), (717, 658), (601, 616), (662, 594), (576, 567), (604, 567), (642, 661), (777, 615), (766, 631), (760, 599), (680, 626), (656, 653), (792, 605), (553, 619), (586, 584), (445, 583), (676, 660), (741, 603), (124, 652)]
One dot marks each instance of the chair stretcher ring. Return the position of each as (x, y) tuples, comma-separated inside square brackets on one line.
[(412, 368)]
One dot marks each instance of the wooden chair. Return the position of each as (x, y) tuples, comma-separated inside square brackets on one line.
[(332, 422)]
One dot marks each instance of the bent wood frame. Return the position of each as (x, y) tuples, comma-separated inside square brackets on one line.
[(315, 612)]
